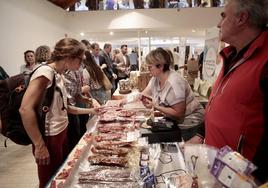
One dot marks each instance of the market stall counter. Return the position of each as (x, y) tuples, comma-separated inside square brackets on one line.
[(112, 153)]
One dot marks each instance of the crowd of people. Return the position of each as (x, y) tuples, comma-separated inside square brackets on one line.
[(85, 78), (143, 4), (236, 114)]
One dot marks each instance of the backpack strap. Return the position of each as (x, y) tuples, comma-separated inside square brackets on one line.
[(46, 103)]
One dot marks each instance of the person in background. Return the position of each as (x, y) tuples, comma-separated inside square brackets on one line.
[(109, 5), (114, 54), (133, 59), (237, 111), (42, 54), (30, 62), (93, 77), (92, 4), (87, 44), (50, 147), (74, 86), (171, 94), (77, 122), (109, 69), (101, 62), (122, 64), (3, 76), (138, 4), (115, 70), (176, 56), (192, 70), (200, 64)]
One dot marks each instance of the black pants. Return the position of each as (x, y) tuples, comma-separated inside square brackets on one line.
[(186, 134), (73, 131), (83, 119)]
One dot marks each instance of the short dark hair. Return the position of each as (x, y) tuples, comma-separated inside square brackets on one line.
[(85, 42), (26, 52), (107, 45), (123, 45), (93, 45)]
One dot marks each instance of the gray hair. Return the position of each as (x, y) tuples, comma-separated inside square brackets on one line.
[(257, 10)]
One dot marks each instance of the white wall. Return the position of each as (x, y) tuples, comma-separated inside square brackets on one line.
[(26, 24), (158, 22)]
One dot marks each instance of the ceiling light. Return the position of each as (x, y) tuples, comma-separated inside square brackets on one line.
[(82, 34), (193, 30), (111, 33)]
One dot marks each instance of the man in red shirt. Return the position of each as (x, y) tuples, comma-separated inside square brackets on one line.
[(237, 111)]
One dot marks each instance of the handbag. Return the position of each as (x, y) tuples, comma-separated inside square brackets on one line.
[(106, 83)]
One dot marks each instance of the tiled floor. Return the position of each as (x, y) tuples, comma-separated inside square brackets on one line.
[(17, 166)]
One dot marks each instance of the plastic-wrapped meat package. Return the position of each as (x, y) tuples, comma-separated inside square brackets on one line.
[(198, 160), (104, 176)]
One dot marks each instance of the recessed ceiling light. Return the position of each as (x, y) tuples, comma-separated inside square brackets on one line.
[(111, 33), (82, 34), (193, 30)]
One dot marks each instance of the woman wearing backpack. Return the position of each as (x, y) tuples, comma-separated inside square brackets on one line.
[(51, 149)]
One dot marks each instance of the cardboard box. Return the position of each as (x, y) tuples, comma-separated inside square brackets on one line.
[(143, 80)]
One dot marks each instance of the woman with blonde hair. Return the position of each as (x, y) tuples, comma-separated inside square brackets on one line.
[(171, 94), (42, 54)]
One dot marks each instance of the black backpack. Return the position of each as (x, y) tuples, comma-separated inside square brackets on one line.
[(3, 74), (12, 90)]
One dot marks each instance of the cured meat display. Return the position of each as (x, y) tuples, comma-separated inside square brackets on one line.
[(107, 174), (107, 160), (111, 154), (109, 124), (117, 143), (117, 114), (111, 136), (118, 126), (110, 151), (111, 148), (126, 113), (63, 174)]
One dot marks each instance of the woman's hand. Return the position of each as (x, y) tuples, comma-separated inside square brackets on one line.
[(96, 104), (99, 110), (41, 154), (148, 103), (103, 66)]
